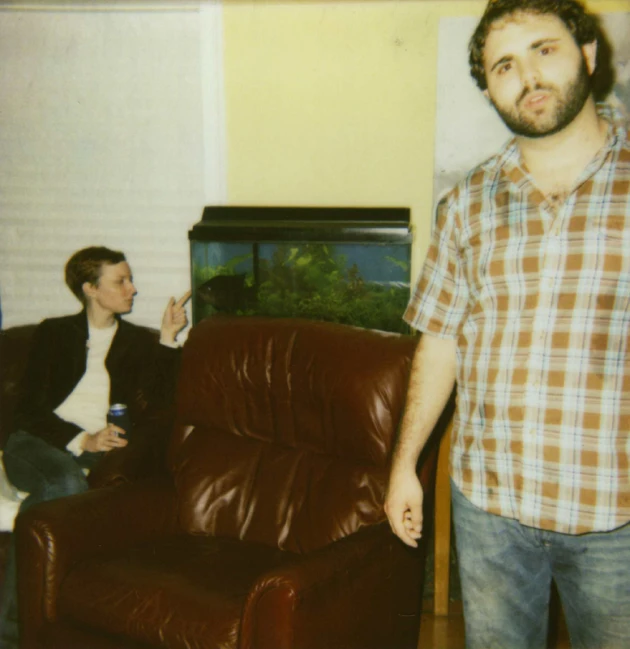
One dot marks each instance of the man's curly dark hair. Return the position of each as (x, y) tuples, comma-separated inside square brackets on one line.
[(584, 27)]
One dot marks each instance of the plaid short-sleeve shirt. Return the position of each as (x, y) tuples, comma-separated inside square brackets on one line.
[(537, 295)]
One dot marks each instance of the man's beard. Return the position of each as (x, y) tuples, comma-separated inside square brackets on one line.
[(570, 102)]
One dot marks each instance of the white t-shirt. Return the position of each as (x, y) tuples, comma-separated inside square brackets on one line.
[(87, 405)]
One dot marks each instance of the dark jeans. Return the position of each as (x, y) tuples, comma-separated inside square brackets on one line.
[(45, 473)]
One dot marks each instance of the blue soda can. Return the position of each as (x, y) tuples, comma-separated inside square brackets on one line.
[(118, 415)]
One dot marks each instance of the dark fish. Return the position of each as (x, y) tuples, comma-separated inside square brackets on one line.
[(227, 293)]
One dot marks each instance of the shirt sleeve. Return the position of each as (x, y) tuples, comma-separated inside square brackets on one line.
[(38, 395), (173, 345), (75, 445), (439, 302)]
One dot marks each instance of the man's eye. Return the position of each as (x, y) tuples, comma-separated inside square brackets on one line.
[(506, 67), (546, 50)]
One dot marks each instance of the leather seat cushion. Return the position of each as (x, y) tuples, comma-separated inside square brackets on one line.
[(291, 498), (180, 592)]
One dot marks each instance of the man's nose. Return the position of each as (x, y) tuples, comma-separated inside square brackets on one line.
[(530, 74)]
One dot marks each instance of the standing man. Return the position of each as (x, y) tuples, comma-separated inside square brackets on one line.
[(524, 301)]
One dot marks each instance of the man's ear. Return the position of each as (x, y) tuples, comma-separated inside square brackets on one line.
[(88, 289), (589, 50), (486, 94)]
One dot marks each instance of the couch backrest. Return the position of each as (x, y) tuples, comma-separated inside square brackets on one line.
[(15, 344), (285, 428)]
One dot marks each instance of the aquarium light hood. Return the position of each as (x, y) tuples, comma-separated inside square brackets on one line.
[(340, 224)]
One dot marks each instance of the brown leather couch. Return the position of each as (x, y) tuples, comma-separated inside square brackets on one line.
[(15, 344), (14, 347), (266, 531)]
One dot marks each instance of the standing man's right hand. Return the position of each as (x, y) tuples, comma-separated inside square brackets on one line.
[(431, 382), (403, 506)]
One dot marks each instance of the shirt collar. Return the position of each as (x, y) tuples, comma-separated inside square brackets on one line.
[(617, 125)]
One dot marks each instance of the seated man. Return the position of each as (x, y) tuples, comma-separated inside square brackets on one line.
[(78, 366)]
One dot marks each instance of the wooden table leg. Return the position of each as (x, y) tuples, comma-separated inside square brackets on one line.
[(442, 532)]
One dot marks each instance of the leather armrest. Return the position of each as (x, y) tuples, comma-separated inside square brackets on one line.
[(369, 570), (51, 537), (141, 459)]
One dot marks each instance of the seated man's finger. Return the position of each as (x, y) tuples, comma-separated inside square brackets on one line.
[(183, 299)]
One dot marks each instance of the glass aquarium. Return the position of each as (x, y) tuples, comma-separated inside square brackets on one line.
[(347, 265)]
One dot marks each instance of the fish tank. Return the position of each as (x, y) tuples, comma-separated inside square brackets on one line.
[(346, 265)]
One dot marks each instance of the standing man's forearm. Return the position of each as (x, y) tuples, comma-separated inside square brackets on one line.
[(431, 382)]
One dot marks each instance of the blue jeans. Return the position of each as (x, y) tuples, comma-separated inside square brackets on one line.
[(506, 570), (46, 473)]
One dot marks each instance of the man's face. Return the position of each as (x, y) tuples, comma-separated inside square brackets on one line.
[(114, 291), (538, 77)]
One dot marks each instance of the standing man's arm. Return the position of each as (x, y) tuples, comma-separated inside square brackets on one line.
[(431, 382)]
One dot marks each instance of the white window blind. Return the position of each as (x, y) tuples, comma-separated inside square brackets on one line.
[(111, 133)]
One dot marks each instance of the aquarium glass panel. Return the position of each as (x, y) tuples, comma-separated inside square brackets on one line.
[(362, 284)]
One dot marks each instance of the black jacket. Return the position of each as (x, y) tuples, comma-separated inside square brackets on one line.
[(142, 373)]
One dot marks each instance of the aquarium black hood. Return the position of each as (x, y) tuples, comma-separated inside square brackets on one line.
[(334, 224)]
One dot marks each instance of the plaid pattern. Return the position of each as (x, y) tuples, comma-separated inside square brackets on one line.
[(538, 297)]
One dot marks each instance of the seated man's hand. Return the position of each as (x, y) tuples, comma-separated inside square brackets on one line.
[(174, 319), (110, 437)]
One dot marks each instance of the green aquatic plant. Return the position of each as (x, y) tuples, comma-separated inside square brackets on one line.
[(311, 280), (202, 274), (403, 265)]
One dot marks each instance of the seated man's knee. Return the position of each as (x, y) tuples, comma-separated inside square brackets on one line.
[(66, 485), (58, 484)]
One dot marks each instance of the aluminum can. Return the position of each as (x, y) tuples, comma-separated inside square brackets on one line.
[(118, 415)]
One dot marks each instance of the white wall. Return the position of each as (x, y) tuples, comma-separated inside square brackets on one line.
[(111, 132)]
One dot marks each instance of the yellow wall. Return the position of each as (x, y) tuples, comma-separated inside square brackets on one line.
[(333, 102)]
